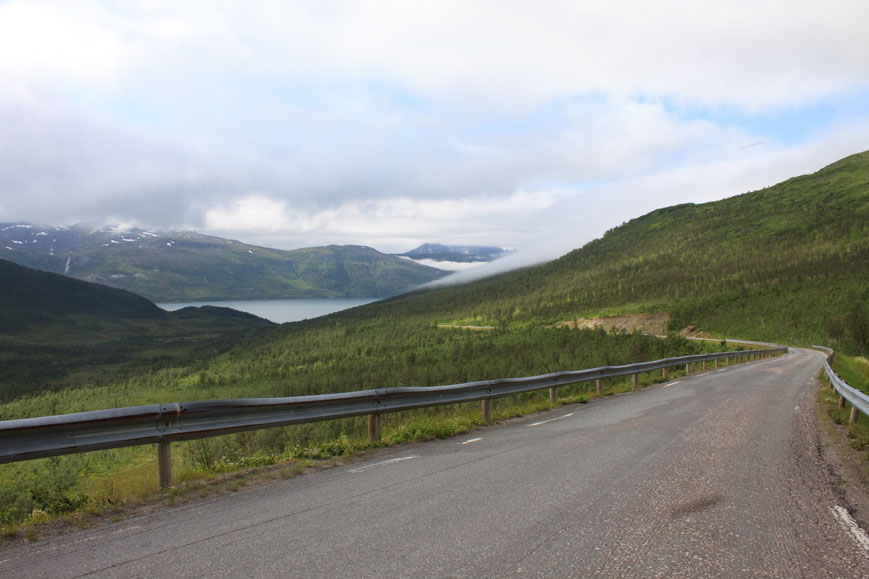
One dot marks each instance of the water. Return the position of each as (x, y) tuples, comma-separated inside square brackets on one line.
[(280, 311)]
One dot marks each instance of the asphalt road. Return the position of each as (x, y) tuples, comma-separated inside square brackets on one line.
[(715, 475)]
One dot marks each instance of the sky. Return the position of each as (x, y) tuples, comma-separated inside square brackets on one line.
[(529, 125)]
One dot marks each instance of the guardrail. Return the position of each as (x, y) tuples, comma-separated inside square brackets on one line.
[(857, 399), (162, 424)]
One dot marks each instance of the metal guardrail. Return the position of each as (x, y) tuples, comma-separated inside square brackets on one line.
[(160, 424), (858, 400)]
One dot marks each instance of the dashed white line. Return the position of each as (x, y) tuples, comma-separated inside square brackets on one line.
[(672, 383), (551, 419), (852, 527), (384, 463), (472, 440), (701, 375)]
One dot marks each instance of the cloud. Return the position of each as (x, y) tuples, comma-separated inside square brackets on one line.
[(44, 42), (249, 212), (393, 225), (390, 124)]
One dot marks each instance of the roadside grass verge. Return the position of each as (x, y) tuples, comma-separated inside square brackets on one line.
[(854, 371)]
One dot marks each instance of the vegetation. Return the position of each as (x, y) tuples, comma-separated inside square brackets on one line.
[(854, 371), (187, 266), (58, 333), (430, 355), (787, 264), (773, 265)]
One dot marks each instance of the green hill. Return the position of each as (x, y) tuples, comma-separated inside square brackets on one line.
[(57, 332), (188, 266), (29, 297), (781, 264)]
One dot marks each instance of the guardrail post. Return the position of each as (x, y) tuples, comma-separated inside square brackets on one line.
[(553, 395), (687, 369), (716, 362), (635, 380), (664, 372), (841, 402), (164, 464), (598, 385), (487, 410), (374, 428), (853, 417), (704, 365)]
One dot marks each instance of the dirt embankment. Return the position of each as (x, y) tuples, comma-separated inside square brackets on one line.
[(654, 324)]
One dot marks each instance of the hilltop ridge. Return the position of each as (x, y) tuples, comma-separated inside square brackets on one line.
[(189, 266), (780, 264)]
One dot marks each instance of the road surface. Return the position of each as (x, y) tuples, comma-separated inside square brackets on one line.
[(713, 475)]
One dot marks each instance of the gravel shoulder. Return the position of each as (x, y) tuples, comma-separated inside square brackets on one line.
[(847, 468)]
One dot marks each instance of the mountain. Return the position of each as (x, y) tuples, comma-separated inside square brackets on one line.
[(185, 266), (782, 264), (456, 253), (56, 331)]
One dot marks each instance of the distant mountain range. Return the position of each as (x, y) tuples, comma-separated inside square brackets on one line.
[(456, 253), (188, 266)]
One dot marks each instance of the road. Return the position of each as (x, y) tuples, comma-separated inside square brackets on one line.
[(713, 475)]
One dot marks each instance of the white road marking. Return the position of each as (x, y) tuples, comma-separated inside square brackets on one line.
[(722, 370), (701, 375), (852, 527), (384, 463), (673, 383), (472, 440), (551, 419)]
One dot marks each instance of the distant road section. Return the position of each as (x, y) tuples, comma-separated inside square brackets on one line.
[(717, 475)]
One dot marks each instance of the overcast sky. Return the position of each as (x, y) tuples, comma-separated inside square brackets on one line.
[(534, 125)]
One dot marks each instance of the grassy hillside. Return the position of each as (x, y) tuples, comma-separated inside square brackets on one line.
[(57, 332), (187, 266), (781, 264)]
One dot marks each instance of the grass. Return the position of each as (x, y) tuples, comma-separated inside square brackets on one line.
[(854, 371)]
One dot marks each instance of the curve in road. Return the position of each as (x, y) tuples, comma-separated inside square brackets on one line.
[(715, 475)]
